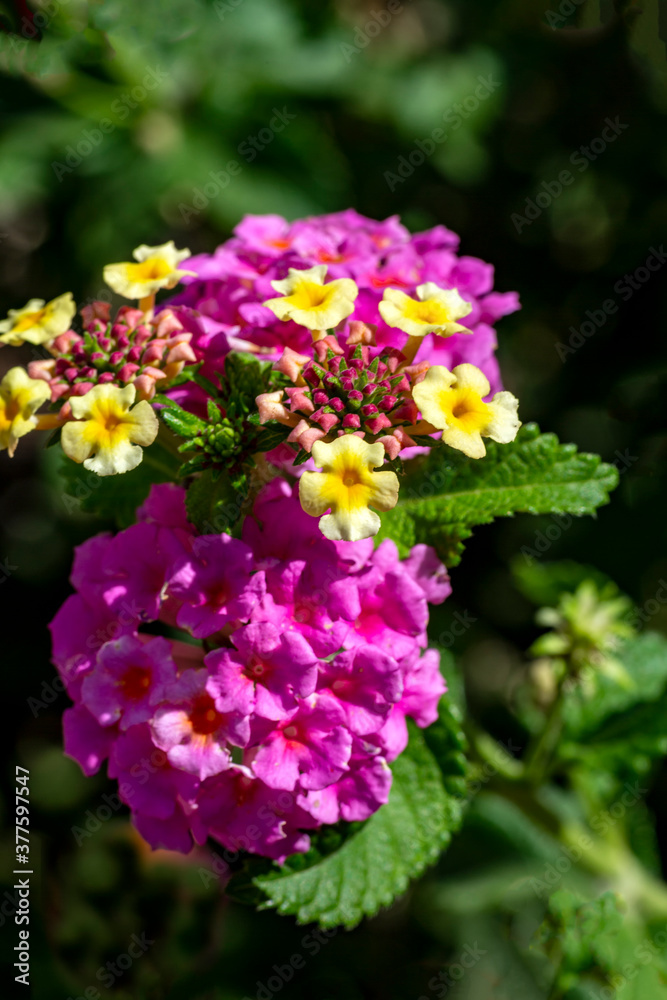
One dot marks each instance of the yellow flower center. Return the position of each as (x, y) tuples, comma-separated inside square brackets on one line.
[(348, 486), (310, 295), (14, 407), (108, 424), (465, 409), (431, 312), (153, 269), (29, 320)]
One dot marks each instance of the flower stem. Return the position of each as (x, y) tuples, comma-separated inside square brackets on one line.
[(540, 752)]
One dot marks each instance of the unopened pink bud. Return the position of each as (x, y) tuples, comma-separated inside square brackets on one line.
[(291, 363), (388, 403), (106, 377), (360, 333), (326, 344), (44, 368), (130, 316), (299, 400), (391, 444), (305, 435), (369, 410), (327, 421), (127, 372), (65, 342), (181, 352), (379, 423), (351, 420), (167, 323), (271, 407), (145, 387), (96, 310), (337, 404)]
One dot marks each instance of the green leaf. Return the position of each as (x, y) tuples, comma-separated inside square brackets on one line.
[(214, 503), (447, 493), (185, 424), (115, 498), (375, 863), (645, 661), (542, 583)]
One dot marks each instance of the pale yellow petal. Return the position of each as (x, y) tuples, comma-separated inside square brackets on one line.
[(112, 461), (385, 490), (470, 443), (313, 494), (316, 274), (145, 424), (470, 377), (427, 393), (74, 441), (350, 525), (505, 423)]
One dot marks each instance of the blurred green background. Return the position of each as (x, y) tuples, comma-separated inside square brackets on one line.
[(114, 115)]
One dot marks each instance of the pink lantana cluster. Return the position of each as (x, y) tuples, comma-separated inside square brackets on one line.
[(132, 348), (234, 281), (251, 689)]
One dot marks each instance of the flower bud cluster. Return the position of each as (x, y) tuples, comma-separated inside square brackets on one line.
[(133, 348)]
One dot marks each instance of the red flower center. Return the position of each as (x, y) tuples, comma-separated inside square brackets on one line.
[(136, 682), (204, 717)]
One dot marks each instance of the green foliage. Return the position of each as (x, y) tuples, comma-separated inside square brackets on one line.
[(115, 498), (580, 937), (214, 503), (645, 661), (375, 863), (231, 435), (447, 493), (542, 583)]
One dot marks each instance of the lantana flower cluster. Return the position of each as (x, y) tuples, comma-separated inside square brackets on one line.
[(232, 284), (254, 685), (248, 690)]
